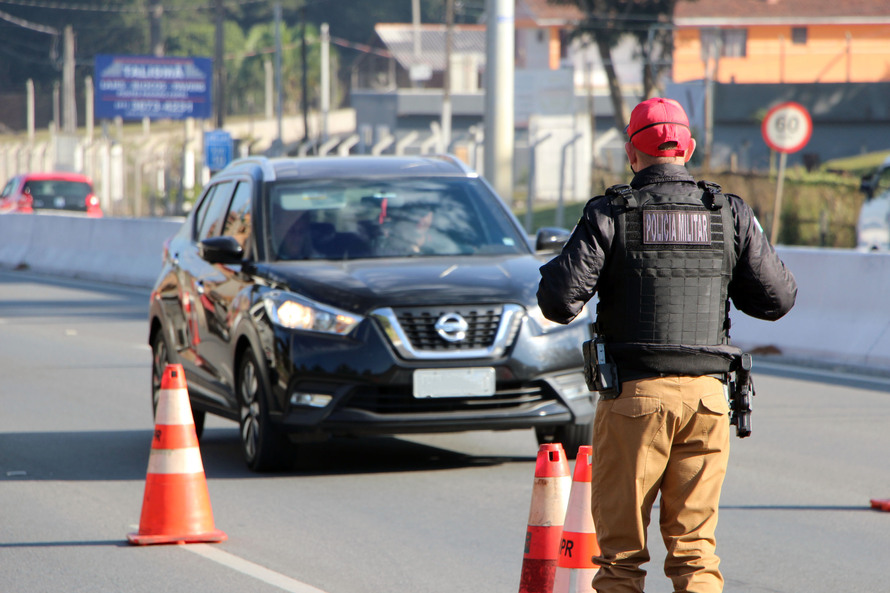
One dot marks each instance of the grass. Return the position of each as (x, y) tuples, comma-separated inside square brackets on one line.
[(857, 165)]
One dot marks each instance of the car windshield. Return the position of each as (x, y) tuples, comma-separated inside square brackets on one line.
[(9, 187), (360, 218)]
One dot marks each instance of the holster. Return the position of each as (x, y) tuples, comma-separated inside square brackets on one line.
[(600, 374), (589, 351)]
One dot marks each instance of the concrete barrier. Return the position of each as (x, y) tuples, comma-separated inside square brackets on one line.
[(841, 315), (119, 250)]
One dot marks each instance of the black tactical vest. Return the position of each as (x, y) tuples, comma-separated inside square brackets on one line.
[(663, 296)]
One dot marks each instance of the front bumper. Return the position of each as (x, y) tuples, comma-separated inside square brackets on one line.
[(362, 386)]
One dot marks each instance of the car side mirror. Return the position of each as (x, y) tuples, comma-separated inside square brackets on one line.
[(551, 238), (221, 250), (866, 186)]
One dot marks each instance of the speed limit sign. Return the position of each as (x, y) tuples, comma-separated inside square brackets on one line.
[(787, 127)]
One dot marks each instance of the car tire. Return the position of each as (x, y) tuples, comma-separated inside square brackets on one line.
[(571, 436), (160, 358), (264, 446)]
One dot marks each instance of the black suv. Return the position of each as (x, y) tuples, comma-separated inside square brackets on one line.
[(363, 295)]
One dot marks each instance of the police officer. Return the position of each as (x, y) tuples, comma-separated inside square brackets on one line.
[(665, 256)]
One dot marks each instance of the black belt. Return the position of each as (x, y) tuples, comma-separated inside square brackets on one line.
[(635, 375)]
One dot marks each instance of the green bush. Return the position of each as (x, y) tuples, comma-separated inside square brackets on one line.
[(819, 208)]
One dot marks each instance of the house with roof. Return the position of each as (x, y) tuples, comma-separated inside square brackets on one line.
[(542, 33), (746, 56), (739, 57), (782, 41)]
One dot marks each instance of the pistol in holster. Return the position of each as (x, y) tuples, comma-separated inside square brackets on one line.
[(741, 390), (600, 374)]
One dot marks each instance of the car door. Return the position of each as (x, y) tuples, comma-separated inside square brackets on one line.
[(193, 273), (218, 288)]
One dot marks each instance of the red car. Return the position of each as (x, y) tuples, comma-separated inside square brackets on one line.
[(57, 193)]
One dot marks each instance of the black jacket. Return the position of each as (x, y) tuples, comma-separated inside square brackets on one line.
[(761, 285)]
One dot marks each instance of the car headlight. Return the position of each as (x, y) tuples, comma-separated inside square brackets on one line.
[(295, 312), (544, 325)]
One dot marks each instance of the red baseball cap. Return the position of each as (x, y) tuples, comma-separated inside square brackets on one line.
[(656, 121)]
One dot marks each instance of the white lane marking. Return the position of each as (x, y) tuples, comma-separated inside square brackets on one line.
[(249, 568)]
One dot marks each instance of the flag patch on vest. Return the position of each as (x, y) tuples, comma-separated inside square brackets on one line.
[(676, 227)]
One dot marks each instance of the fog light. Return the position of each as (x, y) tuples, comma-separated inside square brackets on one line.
[(312, 400), (572, 385)]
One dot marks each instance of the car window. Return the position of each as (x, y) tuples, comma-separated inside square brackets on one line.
[(346, 219), (9, 187), (202, 207), (883, 182), (209, 218), (238, 218)]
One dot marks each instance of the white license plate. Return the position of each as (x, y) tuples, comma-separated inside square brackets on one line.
[(471, 382)]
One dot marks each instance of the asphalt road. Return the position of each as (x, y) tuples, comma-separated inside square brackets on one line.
[(430, 514)]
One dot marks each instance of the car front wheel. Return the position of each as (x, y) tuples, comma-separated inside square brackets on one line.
[(263, 445), (571, 436), (160, 358)]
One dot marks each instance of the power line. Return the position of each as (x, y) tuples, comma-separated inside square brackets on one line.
[(361, 47), (28, 24), (118, 8)]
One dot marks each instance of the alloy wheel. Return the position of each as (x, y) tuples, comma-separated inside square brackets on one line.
[(158, 365), (251, 422)]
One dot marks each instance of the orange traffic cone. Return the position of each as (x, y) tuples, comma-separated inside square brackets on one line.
[(575, 567), (548, 510), (881, 504), (176, 504)]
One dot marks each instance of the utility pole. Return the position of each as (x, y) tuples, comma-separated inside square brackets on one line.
[(89, 97), (711, 56), (499, 110), (279, 102), (219, 67), (415, 31), (415, 26), (305, 75), (155, 13), (269, 88), (325, 80), (29, 90), (69, 115), (57, 111), (446, 79)]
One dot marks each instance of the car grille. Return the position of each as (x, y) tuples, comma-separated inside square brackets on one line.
[(490, 330), (401, 401), (419, 326)]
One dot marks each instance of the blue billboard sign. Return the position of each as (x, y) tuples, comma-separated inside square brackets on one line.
[(136, 87)]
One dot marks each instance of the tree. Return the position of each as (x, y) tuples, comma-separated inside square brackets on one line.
[(648, 20), (186, 27), (248, 74), (31, 51)]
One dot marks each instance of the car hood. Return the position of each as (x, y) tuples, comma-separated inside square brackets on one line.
[(360, 286)]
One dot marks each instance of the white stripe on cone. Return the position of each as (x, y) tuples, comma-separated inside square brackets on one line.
[(175, 461), (173, 407), (552, 496), (579, 519)]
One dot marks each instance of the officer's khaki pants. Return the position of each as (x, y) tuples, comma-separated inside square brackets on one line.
[(669, 434)]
